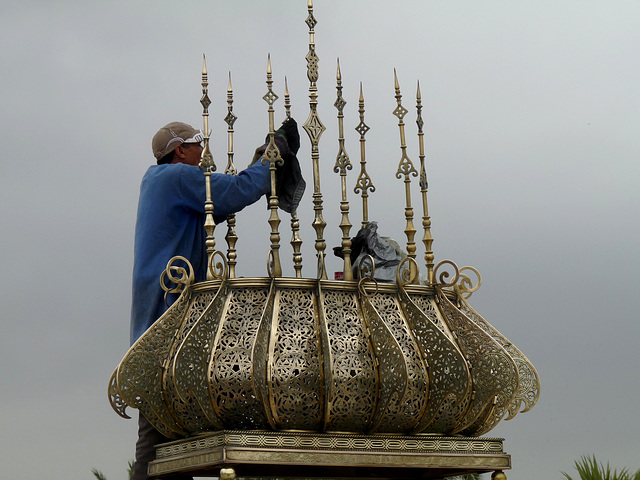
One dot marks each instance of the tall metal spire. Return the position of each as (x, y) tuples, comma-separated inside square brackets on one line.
[(364, 184), (342, 165), (207, 164), (231, 169), (314, 129), (296, 241), (272, 156), (406, 170), (427, 239)]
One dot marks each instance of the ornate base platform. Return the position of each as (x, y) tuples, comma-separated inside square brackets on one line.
[(310, 455)]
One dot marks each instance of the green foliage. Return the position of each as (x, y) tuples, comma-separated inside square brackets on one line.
[(100, 476), (590, 469)]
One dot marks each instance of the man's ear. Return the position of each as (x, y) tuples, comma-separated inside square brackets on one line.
[(179, 153)]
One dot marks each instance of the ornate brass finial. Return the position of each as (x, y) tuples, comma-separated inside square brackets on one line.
[(406, 170), (364, 184), (342, 165), (427, 239), (272, 156), (207, 164), (230, 119), (231, 169), (314, 129), (287, 99), (296, 241)]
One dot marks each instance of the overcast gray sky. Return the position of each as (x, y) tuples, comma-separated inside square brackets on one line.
[(531, 116)]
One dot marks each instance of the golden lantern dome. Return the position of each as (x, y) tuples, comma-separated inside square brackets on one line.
[(354, 360)]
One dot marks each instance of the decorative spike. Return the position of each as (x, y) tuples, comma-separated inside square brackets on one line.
[(342, 165), (296, 241), (230, 120), (287, 99), (272, 157), (427, 239), (406, 170), (314, 129), (231, 169), (363, 184), (207, 164), (296, 244)]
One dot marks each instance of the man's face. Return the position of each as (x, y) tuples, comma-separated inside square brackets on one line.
[(190, 153)]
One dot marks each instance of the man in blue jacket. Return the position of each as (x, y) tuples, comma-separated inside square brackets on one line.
[(170, 222)]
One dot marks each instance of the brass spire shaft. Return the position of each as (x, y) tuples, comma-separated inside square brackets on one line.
[(231, 169), (272, 156), (314, 129), (296, 241), (427, 239), (208, 166), (363, 184), (406, 170), (287, 99), (342, 165)]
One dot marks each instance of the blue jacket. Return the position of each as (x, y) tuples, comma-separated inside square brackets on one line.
[(171, 222)]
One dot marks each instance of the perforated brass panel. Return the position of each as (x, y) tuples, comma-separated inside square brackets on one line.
[(529, 383), (352, 383), (322, 356), (230, 368), (493, 373), (449, 375), (295, 374), (404, 413)]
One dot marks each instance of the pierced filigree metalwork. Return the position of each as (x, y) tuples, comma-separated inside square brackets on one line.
[(321, 355), (493, 372), (230, 368), (138, 378), (449, 377), (182, 381), (528, 389), (295, 374), (392, 368), (352, 381), (403, 415)]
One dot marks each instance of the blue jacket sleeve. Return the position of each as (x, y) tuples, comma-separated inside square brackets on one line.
[(230, 193)]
